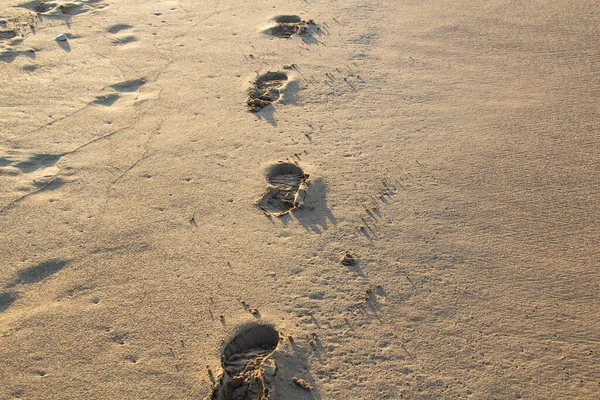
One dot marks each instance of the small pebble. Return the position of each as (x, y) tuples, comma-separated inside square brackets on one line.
[(302, 383), (61, 38)]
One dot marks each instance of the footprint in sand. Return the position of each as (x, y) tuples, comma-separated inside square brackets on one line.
[(266, 89), (17, 163), (33, 274), (287, 25), (121, 40), (7, 34), (287, 189), (130, 86), (118, 28), (37, 162), (107, 100), (6, 300), (37, 273), (248, 365), (40, 6), (56, 8)]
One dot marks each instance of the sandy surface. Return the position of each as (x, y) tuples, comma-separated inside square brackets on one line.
[(452, 147)]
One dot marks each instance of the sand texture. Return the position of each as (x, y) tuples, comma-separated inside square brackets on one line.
[(301, 199)]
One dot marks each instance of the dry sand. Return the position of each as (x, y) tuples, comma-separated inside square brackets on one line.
[(452, 147)]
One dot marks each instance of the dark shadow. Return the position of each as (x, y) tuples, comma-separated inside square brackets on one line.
[(350, 84), (371, 214), (38, 6), (285, 219), (49, 185), (355, 268), (268, 114), (29, 68), (38, 273), (291, 369), (118, 28), (107, 100), (315, 215), (311, 35), (6, 300), (131, 85), (38, 161), (367, 231), (10, 55), (289, 95), (4, 162), (64, 45), (380, 291), (6, 34)]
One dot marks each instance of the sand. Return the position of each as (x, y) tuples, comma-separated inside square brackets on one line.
[(450, 147)]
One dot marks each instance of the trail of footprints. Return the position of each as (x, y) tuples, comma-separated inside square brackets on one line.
[(247, 360), (29, 14), (248, 363)]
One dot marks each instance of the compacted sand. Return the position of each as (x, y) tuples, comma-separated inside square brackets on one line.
[(451, 148)]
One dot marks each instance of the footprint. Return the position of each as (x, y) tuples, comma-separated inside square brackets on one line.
[(38, 273), (73, 8), (39, 6), (266, 90), (78, 7), (107, 100), (5, 161), (50, 7), (124, 40), (287, 189), (9, 54), (6, 300), (130, 85), (118, 28), (6, 34), (38, 161), (248, 366), (288, 25)]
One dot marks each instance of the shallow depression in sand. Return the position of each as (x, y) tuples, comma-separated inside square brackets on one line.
[(248, 369), (286, 180)]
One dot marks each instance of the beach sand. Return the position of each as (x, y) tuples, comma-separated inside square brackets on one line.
[(450, 147)]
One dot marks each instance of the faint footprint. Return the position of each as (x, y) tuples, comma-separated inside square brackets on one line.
[(6, 34), (39, 6), (107, 100), (6, 300), (130, 85), (287, 189), (124, 40), (118, 28), (266, 90), (37, 273), (5, 161), (76, 7), (38, 161), (248, 367)]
